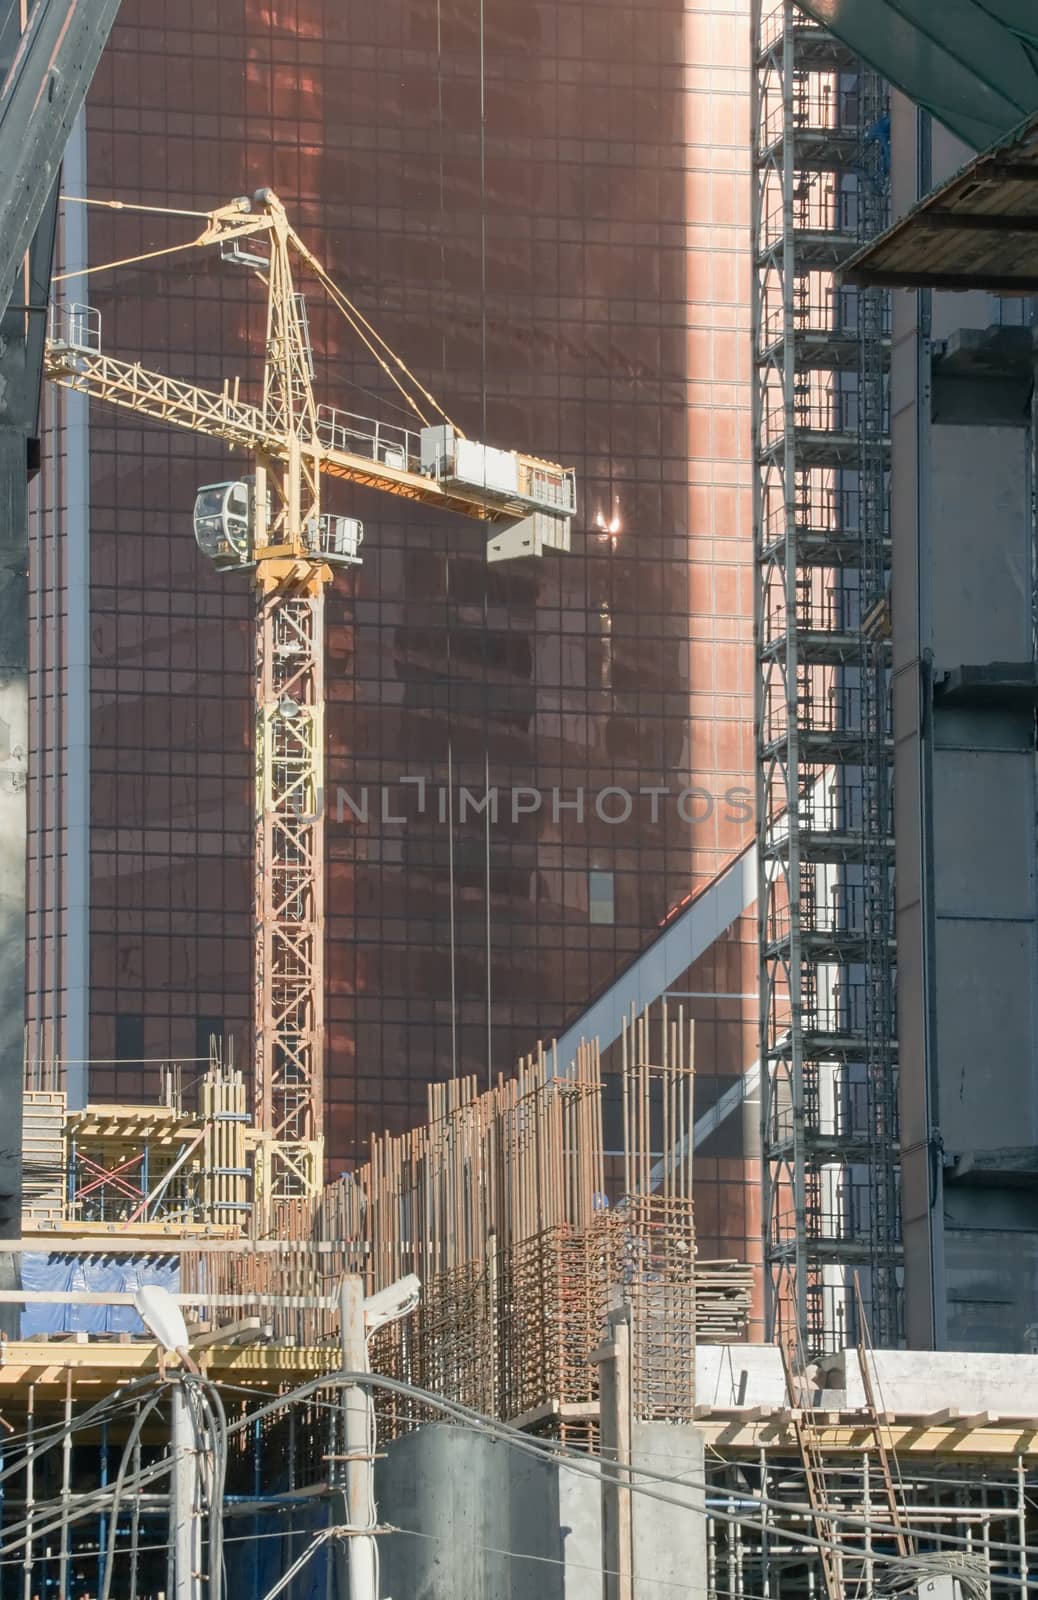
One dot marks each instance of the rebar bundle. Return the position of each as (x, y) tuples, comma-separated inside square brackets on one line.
[(502, 1206)]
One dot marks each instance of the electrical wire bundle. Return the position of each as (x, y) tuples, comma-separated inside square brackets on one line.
[(907, 1572), (895, 1575), (209, 1429)]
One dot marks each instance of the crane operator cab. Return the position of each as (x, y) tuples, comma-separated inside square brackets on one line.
[(222, 518), (223, 523)]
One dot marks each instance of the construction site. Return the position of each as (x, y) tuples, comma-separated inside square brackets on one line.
[(518, 892)]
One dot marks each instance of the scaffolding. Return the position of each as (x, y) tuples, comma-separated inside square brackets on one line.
[(980, 1509), (825, 847), (525, 1235), (967, 1490), (109, 1168)]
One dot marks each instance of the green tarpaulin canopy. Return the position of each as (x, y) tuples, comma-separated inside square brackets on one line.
[(972, 63)]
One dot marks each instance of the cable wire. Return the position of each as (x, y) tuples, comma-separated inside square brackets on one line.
[(562, 1561), (582, 1462), (130, 261), (547, 1450), (141, 1418), (358, 321), (130, 205), (300, 1562), (774, 1468)]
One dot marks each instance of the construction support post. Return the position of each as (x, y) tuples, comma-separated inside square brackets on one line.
[(613, 1359), (27, 282), (186, 1533), (358, 1435)]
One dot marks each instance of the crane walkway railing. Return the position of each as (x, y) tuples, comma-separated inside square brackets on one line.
[(385, 443)]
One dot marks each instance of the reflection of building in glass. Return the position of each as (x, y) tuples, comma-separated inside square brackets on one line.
[(572, 279)]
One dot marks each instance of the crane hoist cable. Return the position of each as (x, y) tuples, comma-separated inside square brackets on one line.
[(128, 261), (351, 314), (350, 311), (129, 205)]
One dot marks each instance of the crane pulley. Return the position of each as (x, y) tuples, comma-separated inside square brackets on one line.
[(271, 523)]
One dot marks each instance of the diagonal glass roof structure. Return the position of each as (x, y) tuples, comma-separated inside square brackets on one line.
[(973, 64)]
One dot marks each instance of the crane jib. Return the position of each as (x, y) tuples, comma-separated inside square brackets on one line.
[(475, 480)]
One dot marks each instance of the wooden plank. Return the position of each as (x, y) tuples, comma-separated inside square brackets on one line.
[(213, 1241), (852, 1436), (31, 1361), (91, 1297), (245, 1330), (106, 1237)]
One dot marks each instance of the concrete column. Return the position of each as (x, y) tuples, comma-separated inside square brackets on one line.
[(669, 1541), (186, 1532), (484, 1520), (357, 1427)]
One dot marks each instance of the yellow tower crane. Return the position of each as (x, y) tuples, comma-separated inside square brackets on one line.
[(270, 523)]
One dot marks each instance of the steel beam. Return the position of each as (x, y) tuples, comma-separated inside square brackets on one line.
[(44, 90)]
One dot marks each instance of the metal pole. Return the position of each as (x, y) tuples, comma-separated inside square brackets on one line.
[(135, 1519), (1021, 1516), (66, 1484), (186, 1538), (30, 1496), (357, 1428)]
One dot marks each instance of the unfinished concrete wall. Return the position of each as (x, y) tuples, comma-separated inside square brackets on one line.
[(21, 353), (526, 1529), (669, 1542), (908, 393), (912, 1382), (965, 797), (729, 1375)]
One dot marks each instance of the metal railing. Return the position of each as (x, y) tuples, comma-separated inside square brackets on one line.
[(819, 205), (381, 442), (820, 104), (772, 23), (75, 327)]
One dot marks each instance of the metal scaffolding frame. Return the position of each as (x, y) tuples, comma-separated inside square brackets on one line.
[(286, 1475), (984, 1508), (825, 850), (160, 1166)]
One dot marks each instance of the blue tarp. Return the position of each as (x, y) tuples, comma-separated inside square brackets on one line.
[(99, 1274)]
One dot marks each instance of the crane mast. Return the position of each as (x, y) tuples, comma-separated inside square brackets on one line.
[(288, 1020), (273, 526)]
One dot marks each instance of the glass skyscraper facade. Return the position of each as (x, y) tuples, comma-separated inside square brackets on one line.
[(544, 207)]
